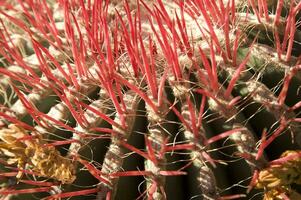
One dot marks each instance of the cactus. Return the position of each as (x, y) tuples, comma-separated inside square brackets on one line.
[(152, 99)]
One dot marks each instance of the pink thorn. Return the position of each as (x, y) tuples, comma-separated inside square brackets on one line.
[(172, 173), (17, 22), (101, 115), (285, 197), (208, 158), (28, 105), (72, 79), (261, 147), (68, 103), (150, 151), (192, 119), (109, 195), (276, 133), (297, 8), (233, 12), (192, 9), (287, 80), (169, 50), (161, 87), (94, 171), (174, 55), (15, 121), (223, 135), (235, 196), (208, 68), (163, 148), (80, 61), (291, 39), (265, 9), (180, 147), (209, 24), (212, 11), (116, 103), (63, 142), (73, 194), (29, 137), (296, 106), (137, 90), (208, 94), (285, 159), (44, 66), (183, 31), (139, 152), (25, 191), (22, 78), (149, 72), (278, 12), (85, 13), (55, 62), (226, 27), (278, 45), (201, 112), (131, 43), (44, 116), (152, 190), (222, 7), (52, 26), (38, 183), (255, 10), (237, 73), (213, 67), (233, 102), (165, 15), (287, 27), (253, 180), (131, 173), (181, 118), (103, 130)]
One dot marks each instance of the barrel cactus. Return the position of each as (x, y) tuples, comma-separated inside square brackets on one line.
[(150, 99)]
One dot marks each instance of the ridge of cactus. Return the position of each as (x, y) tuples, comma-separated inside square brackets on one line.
[(150, 99)]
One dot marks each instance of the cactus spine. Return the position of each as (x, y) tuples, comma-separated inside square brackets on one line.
[(164, 94)]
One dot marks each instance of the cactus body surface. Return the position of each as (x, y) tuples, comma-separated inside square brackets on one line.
[(150, 99)]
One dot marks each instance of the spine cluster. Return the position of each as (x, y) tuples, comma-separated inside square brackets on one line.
[(165, 94)]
